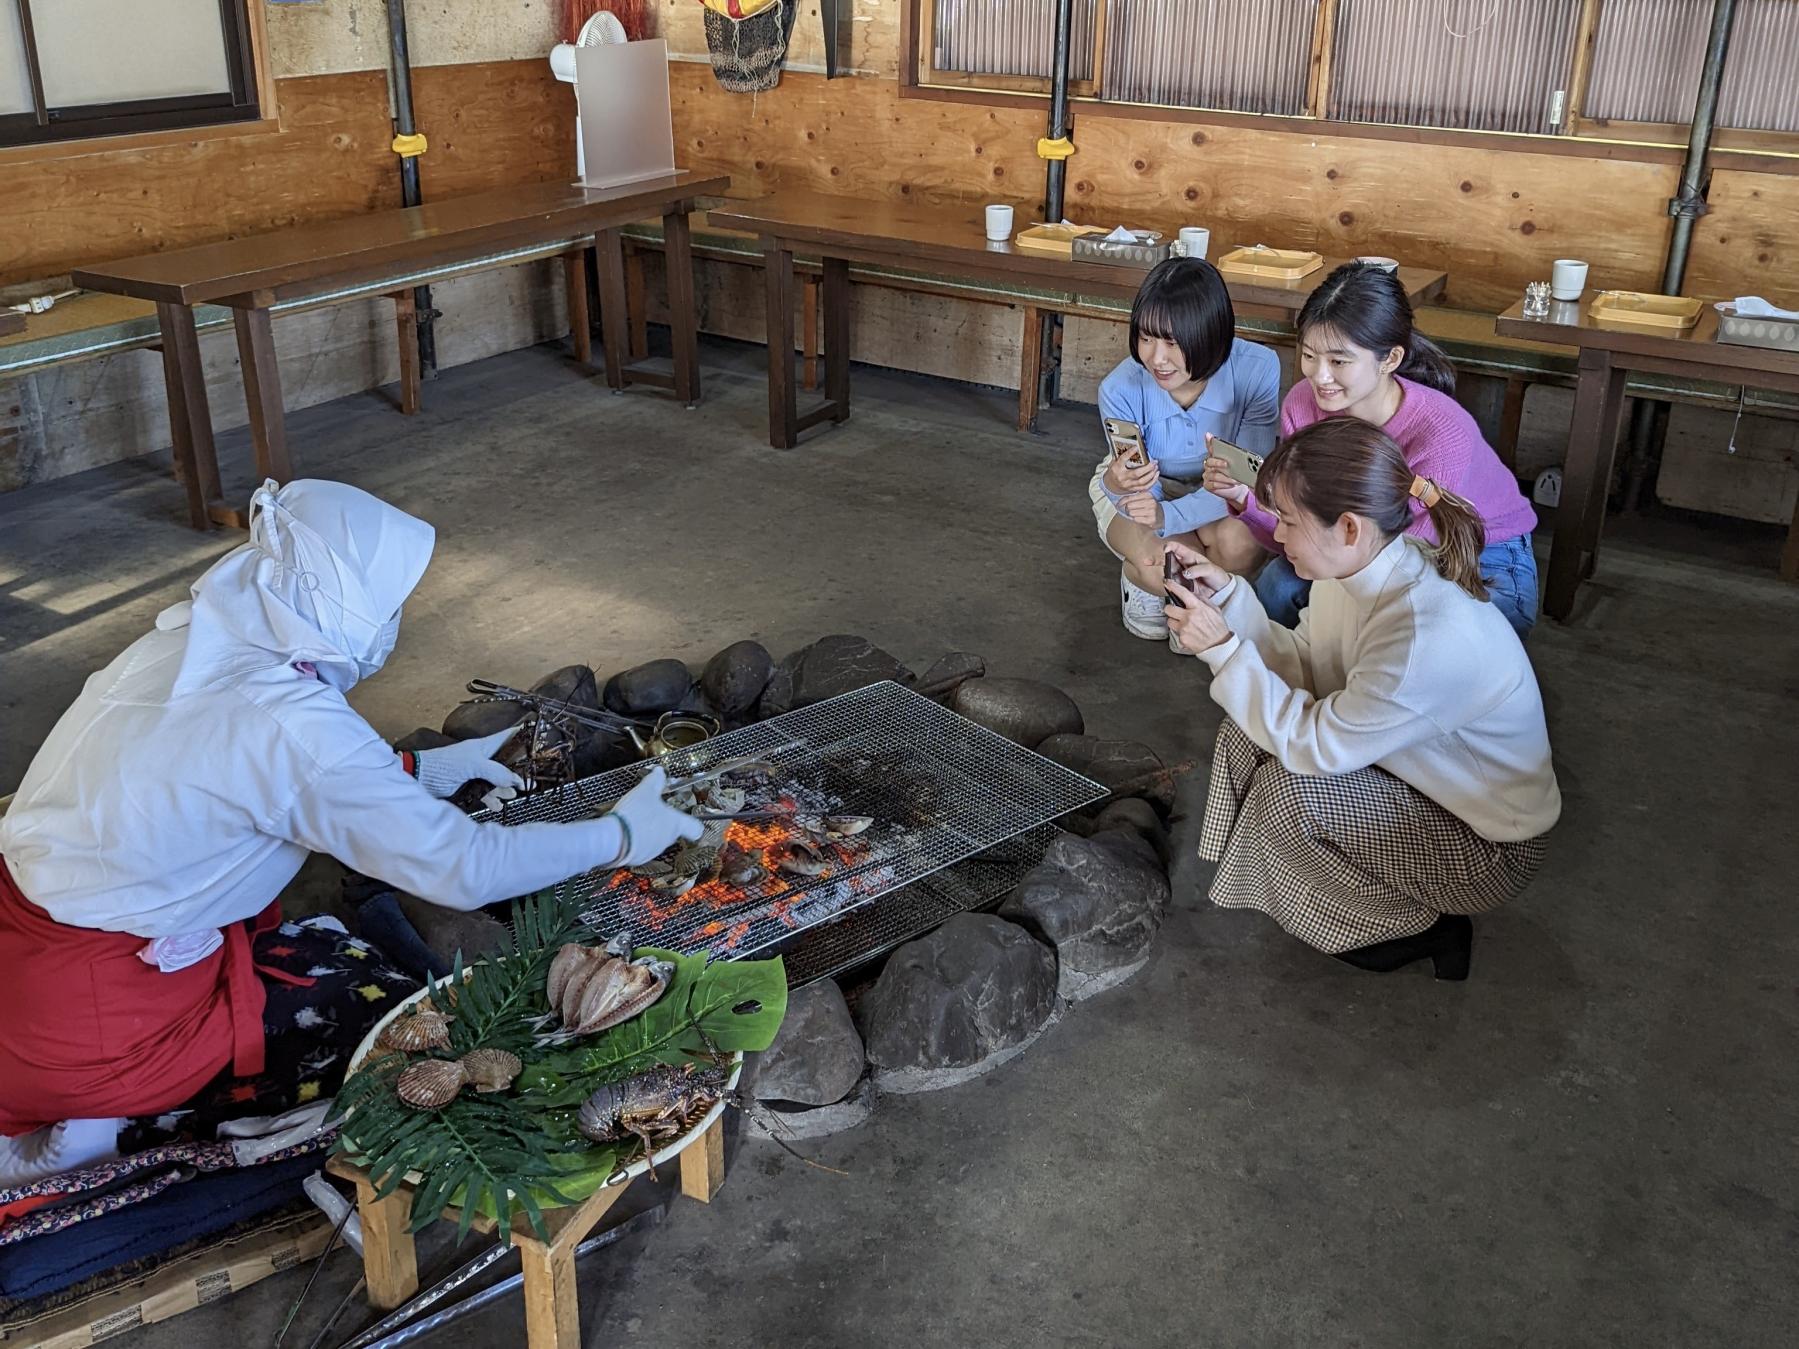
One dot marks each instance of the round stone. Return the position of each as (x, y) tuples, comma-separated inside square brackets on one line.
[(1025, 711)]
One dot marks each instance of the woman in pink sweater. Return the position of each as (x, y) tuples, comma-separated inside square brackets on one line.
[(1362, 358)]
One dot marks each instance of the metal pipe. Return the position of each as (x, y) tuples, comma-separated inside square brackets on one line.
[(400, 81), (1057, 176), (1649, 421)]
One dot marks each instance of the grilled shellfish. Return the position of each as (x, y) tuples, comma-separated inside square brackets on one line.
[(592, 988)]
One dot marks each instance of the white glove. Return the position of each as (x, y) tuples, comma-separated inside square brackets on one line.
[(650, 825), (443, 771)]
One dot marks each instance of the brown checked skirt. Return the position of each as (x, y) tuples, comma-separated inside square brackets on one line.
[(1349, 860)]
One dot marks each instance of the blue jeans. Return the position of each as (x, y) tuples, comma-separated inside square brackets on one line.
[(1509, 568)]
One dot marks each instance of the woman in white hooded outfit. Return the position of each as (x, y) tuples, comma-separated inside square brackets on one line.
[(142, 856)]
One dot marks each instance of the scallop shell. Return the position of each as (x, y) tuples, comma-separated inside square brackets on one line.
[(416, 1031), (431, 1084), (490, 1069), (846, 826)]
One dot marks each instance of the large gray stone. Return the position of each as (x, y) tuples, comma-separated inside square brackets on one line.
[(424, 738), (1115, 763), (1025, 711), (735, 677), (599, 750), (816, 1057), (1139, 816), (1099, 901), (447, 931), (788, 1124), (841, 664), (650, 689), (777, 694), (470, 721), (952, 671), (572, 686), (956, 1003)]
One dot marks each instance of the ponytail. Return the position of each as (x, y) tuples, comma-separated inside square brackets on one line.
[(1368, 306), (1343, 466)]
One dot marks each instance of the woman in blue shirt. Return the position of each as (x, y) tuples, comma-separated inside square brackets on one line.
[(1188, 376)]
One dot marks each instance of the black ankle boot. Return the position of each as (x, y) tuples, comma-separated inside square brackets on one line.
[(1448, 942)]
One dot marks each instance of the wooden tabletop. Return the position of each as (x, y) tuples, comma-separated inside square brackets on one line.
[(286, 261), (1570, 324), (953, 237)]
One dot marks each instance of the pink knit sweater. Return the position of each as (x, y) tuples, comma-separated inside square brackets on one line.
[(1441, 442)]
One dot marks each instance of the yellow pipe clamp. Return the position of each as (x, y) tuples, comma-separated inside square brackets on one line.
[(410, 147), (1060, 148)]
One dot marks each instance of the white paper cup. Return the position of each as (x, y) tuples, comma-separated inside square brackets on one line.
[(999, 223), (1195, 241), (1568, 278)]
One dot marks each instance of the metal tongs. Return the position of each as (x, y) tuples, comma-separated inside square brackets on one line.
[(597, 717)]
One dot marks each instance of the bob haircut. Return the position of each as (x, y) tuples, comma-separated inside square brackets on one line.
[(1184, 301)]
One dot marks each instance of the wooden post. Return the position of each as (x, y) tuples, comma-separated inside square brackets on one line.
[(406, 320), (389, 1257), (783, 398), (809, 329), (1511, 416), (1789, 556), (580, 325), (683, 306), (636, 302), (1030, 367), (552, 1306), (1318, 79), (181, 345), (1592, 439), (837, 337), (703, 1164), (262, 391), (614, 328)]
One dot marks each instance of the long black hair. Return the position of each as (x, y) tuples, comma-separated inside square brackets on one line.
[(1368, 306), (1184, 301)]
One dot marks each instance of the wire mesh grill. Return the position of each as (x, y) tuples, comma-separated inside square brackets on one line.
[(939, 788)]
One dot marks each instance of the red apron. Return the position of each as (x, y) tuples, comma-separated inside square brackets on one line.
[(92, 1032)]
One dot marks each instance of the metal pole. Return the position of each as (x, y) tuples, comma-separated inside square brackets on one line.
[(1649, 419), (401, 82), (1056, 179)]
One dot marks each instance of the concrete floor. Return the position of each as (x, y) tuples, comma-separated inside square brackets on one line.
[(1590, 1143)]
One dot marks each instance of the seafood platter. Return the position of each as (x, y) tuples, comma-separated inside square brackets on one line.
[(812, 815)]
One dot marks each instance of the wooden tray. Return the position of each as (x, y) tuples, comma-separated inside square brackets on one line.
[(1636, 309), (1279, 264), (1056, 241)]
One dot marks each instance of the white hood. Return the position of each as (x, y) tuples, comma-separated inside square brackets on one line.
[(321, 580)]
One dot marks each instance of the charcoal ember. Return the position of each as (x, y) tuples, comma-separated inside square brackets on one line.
[(777, 694), (817, 1056), (957, 1002), (471, 721), (1099, 901), (571, 686), (1025, 711), (424, 738), (841, 664), (650, 689), (603, 749), (735, 677), (950, 672), (1112, 763), (1140, 817)]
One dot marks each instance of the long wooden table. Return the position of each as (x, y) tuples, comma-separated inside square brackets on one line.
[(945, 241), (1607, 354), (399, 246)]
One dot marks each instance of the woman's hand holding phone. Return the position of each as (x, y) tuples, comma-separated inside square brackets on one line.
[(1123, 480), (1205, 576), (1219, 481)]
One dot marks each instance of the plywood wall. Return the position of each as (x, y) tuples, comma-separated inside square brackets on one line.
[(489, 125)]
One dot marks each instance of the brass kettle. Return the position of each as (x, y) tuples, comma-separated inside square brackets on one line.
[(673, 731)]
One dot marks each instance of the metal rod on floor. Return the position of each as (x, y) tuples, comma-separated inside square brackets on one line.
[(409, 149)]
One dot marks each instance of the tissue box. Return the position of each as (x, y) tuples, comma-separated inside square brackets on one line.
[(1096, 248), (1746, 331)]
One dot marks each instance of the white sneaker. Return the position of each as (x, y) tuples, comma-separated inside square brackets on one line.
[(1143, 613)]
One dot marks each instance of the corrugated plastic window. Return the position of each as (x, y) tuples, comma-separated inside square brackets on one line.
[(1233, 55), (1479, 65), (1010, 37), (1647, 56)]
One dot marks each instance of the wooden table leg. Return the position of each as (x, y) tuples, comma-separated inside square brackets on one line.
[(262, 390), (809, 332), (406, 322), (1789, 556), (637, 303), (609, 251), (1592, 437), (837, 336), (389, 1258), (1511, 418), (783, 398), (580, 326), (683, 309), (703, 1164), (190, 420), (1030, 368), (552, 1309)]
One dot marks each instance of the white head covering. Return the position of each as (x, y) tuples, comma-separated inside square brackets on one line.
[(321, 580)]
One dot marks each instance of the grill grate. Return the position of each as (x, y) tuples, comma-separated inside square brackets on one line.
[(940, 789)]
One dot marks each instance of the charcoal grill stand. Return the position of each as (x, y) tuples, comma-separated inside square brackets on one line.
[(552, 1311)]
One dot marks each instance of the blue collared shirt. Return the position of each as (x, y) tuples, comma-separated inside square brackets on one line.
[(1240, 403)]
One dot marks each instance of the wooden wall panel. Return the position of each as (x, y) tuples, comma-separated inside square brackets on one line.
[(1749, 244), (489, 125)]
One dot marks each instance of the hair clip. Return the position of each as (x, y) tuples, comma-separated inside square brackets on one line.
[(1426, 491)]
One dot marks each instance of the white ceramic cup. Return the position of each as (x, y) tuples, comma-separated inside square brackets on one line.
[(999, 223), (1568, 278), (1195, 240)]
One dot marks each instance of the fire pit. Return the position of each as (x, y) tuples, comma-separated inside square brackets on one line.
[(958, 815)]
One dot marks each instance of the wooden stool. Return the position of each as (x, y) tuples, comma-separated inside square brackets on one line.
[(552, 1315)]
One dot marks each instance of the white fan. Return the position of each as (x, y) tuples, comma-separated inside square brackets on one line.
[(601, 29)]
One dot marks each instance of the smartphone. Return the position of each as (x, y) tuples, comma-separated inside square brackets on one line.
[(1171, 571), (1245, 467), (1126, 439)]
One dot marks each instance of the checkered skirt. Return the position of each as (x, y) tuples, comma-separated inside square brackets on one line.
[(1348, 860)]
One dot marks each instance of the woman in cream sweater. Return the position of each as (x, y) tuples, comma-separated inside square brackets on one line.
[(1385, 768)]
